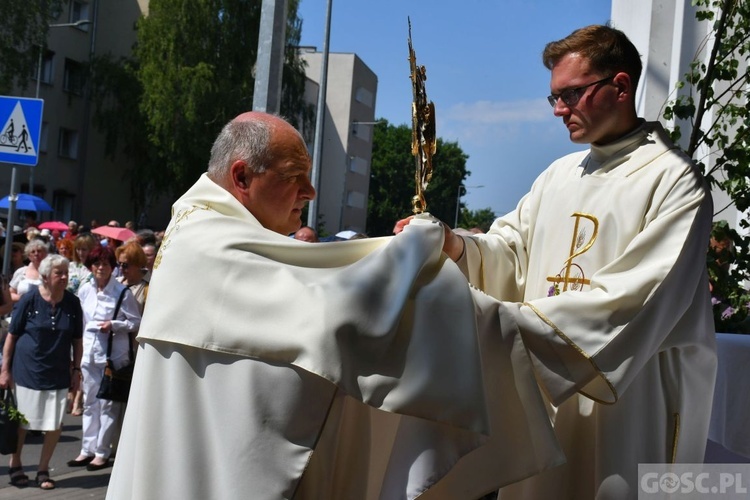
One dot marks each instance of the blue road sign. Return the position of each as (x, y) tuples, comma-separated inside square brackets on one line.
[(21, 122)]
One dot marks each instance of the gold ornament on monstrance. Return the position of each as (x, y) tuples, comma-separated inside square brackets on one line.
[(423, 143)]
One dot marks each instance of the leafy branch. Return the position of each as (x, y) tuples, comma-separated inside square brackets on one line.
[(713, 100), (13, 414)]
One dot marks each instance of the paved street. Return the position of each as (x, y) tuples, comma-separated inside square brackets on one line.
[(72, 483)]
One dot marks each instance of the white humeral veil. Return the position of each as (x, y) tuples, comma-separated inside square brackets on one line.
[(369, 369)]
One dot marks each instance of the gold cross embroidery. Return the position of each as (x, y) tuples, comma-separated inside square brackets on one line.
[(577, 247)]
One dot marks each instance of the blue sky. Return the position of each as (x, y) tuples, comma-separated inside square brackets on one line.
[(484, 74)]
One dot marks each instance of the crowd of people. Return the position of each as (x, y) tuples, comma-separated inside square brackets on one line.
[(67, 292)]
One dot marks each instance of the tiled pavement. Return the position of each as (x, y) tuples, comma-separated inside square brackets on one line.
[(72, 483)]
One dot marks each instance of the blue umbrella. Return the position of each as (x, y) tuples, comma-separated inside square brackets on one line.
[(27, 202)]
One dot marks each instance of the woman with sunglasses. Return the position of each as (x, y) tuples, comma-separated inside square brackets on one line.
[(131, 259), (99, 297)]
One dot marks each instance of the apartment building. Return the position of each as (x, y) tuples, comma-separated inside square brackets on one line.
[(73, 173), (81, 182), (351, 90)]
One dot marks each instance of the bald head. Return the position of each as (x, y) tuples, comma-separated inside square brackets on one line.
[(259, 116), (263, 162), (306, 233), (244, 138)]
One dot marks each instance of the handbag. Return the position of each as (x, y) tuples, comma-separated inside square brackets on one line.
[(9, 422), (115, 384)]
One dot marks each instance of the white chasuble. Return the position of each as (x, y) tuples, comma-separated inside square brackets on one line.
[(603, 263), (271, 368)]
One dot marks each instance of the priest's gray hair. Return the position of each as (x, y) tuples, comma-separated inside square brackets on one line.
[(50, 262), (247, 140)]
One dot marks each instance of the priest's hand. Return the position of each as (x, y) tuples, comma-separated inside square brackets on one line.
[(453, 244), (400, 225)]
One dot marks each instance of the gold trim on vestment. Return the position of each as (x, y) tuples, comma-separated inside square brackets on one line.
[(174, 225), (675, 437), (582, 353)]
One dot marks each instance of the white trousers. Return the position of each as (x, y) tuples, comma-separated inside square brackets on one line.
[(99, 415)]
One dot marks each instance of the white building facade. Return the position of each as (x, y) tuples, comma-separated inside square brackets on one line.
[(669, 38), (351, 89)]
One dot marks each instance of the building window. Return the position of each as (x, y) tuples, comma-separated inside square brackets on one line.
[(358, 165), (68, 146), (62, 203), (362, 130), (73, 80), (79, 11), (355, 199), (364, 96), (43, 136), (45, 71)]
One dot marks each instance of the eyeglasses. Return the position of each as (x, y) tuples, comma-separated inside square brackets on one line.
[(571, 96), (123, 265)]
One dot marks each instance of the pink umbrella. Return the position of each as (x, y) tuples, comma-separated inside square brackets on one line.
[(54, 225), (116, 233)]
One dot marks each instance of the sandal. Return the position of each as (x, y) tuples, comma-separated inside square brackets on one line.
[(17, 477), (43, 480)]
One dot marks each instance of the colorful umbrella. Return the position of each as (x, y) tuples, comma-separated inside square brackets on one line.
[(54, 225), (27, 202), (116, 233)]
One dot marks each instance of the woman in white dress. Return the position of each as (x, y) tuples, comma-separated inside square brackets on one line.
[(28, 277), (79, 273)]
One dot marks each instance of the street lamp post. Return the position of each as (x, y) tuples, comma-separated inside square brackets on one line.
[(458, 199), (76, 24), (320, 113)]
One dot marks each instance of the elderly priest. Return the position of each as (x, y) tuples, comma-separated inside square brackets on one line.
[(270, 368)]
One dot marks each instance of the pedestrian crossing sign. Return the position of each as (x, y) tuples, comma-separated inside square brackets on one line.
[(21, 122)]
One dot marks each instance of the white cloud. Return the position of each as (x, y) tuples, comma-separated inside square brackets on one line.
[(499, 113), (487, 122)]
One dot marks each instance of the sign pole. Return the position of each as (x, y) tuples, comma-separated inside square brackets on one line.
[(20, 126), (9, 228)]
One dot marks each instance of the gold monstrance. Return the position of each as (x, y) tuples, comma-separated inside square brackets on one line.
[(423, 143)]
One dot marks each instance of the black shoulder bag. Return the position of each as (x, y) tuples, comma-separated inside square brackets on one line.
[(10, 419), (115, 384)]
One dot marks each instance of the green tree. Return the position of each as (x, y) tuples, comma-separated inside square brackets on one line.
[(713, 107), (115, 92), (392, 183), (482, 218), (23, 32), (196, 61), (192, 71)]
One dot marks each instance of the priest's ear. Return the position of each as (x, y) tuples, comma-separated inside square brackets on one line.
[(239, 175), (624, 84)]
